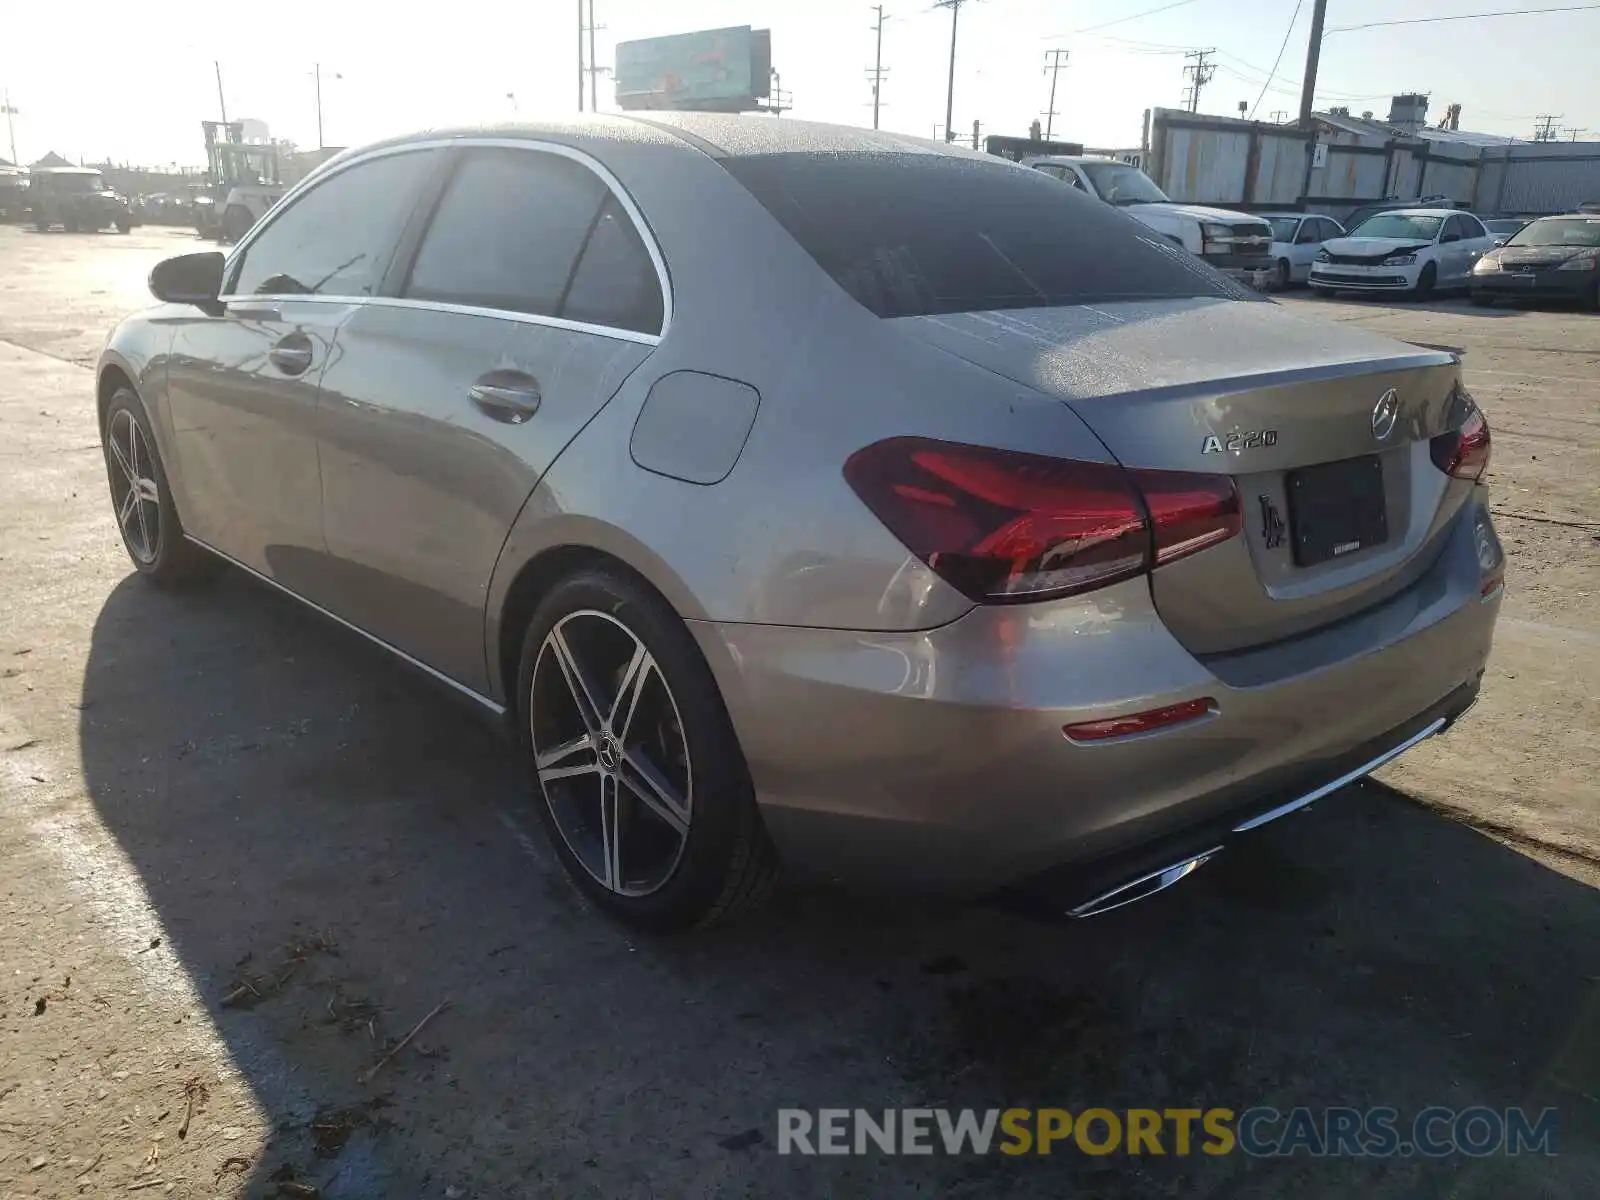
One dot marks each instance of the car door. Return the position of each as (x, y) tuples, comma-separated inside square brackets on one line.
[(242, 382), (1307, 241), (1476, 240), (1454, 253), (518, 306)]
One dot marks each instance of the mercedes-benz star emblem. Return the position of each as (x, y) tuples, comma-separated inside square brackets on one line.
[(1385, 414)]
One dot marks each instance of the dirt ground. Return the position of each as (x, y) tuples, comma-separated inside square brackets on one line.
[(242, 855)]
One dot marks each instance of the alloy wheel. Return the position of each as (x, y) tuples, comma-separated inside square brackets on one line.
[(134, 491), (610, 752)]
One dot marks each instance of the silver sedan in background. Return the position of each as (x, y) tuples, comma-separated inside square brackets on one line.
[(810, 495)]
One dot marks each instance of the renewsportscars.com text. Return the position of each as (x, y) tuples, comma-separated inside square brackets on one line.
[(1261, 1132)]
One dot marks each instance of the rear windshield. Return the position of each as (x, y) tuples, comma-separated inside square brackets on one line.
[(918, 234)]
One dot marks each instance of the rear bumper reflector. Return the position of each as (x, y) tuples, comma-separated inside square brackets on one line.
[(1144, 722)]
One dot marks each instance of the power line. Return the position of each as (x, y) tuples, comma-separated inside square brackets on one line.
[(1149, 12), (1282, 46), (1510, 12), (1057, 57), (1546, 132)]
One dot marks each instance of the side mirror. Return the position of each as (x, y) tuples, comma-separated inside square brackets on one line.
[(188, 279)]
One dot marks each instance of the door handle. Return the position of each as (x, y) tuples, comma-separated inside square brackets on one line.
[(292, 355), (261, 312), (511, 398)]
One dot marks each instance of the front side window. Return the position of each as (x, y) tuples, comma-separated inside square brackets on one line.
[(337, 239), (508, 232), (1399, 225)]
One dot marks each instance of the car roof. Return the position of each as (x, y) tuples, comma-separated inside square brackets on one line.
[(1422, 212), (1074, 158), (1288, 214), (721, 135)]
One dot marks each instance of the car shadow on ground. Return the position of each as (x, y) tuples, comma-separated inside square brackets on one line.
[(334, 849)]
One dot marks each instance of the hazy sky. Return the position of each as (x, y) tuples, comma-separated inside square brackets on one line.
[(133, 81)]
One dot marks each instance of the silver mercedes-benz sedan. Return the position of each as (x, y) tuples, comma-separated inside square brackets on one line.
[(809, 495)]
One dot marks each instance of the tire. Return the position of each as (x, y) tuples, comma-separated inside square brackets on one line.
[(1481, 299), (641, 665), (150, 529), (124, 225), (42, 226), (236, 222), (1425, 282), (1285, 275)]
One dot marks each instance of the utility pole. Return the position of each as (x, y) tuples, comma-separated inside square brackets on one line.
[(1057, 58), (580, 55), (11, 130), (1200, 73), (319, 105), (877, 73), (594, 67), (950, 87), (976, 125), (1319, 12), (221, 103), (1546, 132)]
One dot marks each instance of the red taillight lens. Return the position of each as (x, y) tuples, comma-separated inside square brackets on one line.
[(1463, 452), (1006, 526), (1189, 512)]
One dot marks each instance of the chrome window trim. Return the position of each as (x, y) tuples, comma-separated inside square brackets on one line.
[(584, 159), (467, 310), (494, 708)]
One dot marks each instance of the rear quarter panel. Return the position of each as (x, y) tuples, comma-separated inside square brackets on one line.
[(782, 539)]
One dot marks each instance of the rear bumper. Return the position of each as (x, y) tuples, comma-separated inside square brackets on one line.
[(936, 759)]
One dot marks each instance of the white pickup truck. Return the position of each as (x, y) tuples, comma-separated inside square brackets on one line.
[(1235, 243)]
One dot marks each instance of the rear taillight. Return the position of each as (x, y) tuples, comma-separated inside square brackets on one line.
[(1463, 452), (1003, 526)]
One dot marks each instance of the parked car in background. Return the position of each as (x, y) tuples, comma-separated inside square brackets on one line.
[(1003, 544), (1550, 257), (1235, 243), (1296, 238), (1503, 227), (77, 199), (1412, 251)]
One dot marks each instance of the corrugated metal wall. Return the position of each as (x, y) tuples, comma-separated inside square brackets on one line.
[(1349, 174), (1207, 160), (1205, 165), (1280, 170), (1550, 184)]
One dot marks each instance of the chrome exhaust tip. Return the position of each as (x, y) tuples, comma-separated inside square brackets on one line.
[(1145, 885)]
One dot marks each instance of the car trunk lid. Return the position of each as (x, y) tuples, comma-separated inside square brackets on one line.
[(1340, 500)]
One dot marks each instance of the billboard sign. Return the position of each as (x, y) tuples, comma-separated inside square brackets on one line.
[(712, 70)]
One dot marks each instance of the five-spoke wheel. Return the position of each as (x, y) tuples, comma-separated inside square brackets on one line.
[(610, 752), (639, 777), (133, 488)]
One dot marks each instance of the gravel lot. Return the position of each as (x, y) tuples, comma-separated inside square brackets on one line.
[(241, 853)]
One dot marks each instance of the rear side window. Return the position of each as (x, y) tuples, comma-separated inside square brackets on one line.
[(507, 232), (918, 234), (337, 239), (616, 282)]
